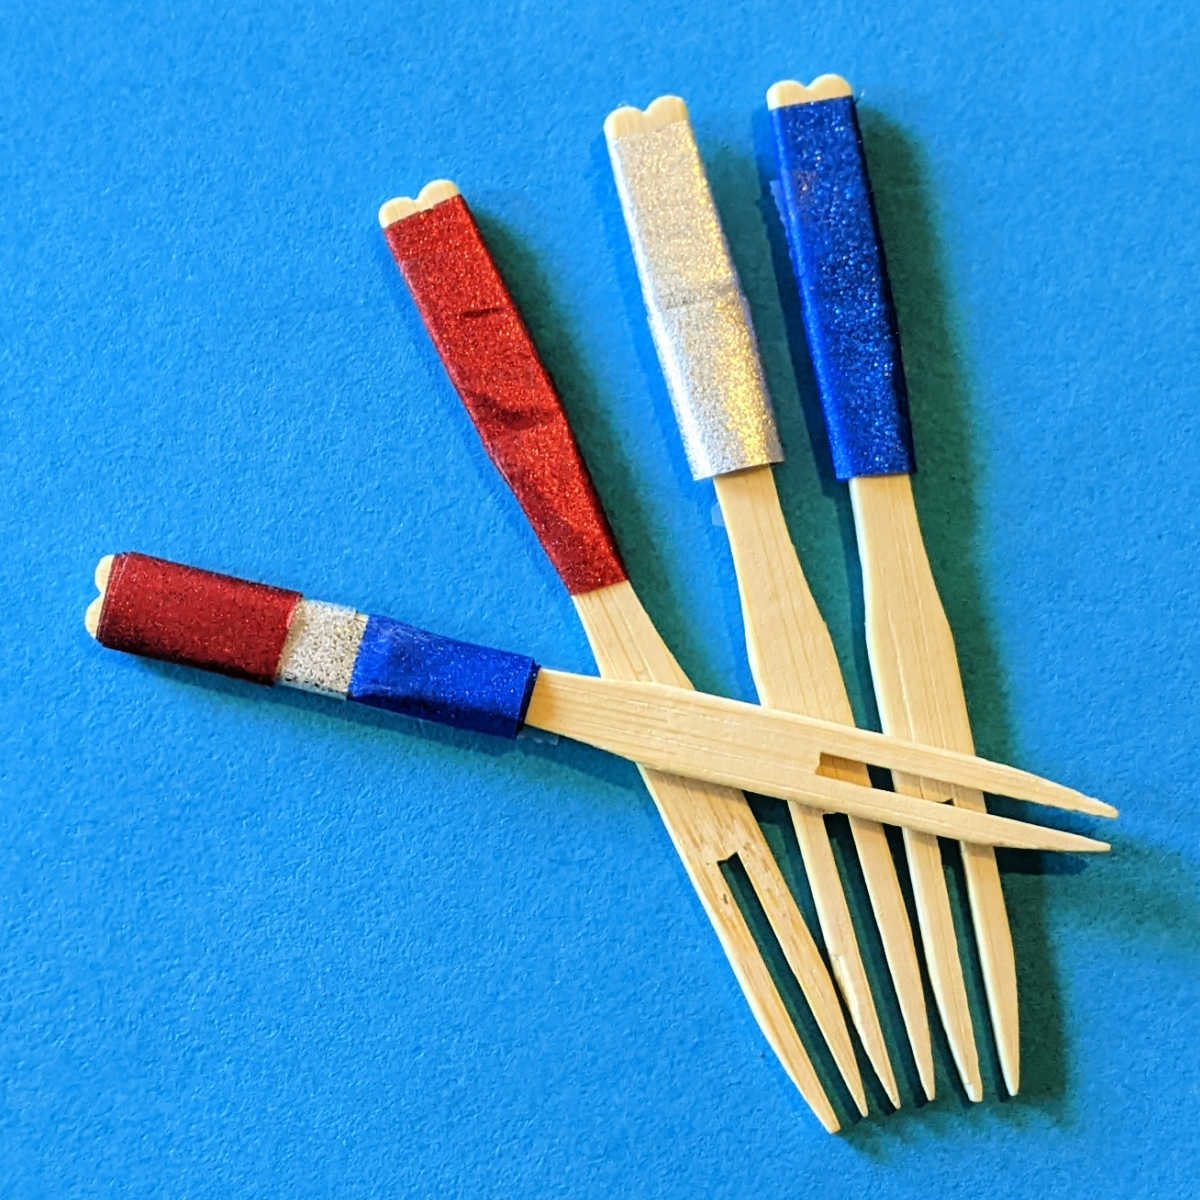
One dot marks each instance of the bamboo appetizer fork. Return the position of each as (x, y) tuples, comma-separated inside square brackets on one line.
[(166, 610), (709, 355), (497, 372), (836, 250)]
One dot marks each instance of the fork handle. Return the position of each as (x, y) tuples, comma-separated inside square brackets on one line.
[(507, 391), (180, 614), (825, 203)]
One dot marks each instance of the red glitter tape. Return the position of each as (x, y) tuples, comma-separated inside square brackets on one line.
[(180, 614), (494, 365)]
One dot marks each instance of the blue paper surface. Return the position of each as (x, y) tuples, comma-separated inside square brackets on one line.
[(260, 945)]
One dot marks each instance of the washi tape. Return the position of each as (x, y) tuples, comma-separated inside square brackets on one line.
[(493, 364), (698, 315), (181, 614), (825, 203)]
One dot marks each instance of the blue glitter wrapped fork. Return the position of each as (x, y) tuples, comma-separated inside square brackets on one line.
[(825, 203)]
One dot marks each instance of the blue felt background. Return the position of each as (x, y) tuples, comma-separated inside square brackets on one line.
[(258, 945)]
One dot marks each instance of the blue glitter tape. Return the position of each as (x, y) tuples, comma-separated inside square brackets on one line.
[(419, 674), (825, 203)]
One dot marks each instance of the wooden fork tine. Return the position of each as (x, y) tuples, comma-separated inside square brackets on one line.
[(803, 957), (759, 988)]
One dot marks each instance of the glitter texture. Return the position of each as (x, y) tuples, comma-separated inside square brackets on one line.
[(508, 393), (825, 202), (321, 647), (179, 614), (698, 315), (165, 610), (419, 674)]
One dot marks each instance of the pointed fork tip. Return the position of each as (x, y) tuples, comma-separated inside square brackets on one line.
[(1010, 1069), (829, 1122), (1056, 795), (1076, 843)]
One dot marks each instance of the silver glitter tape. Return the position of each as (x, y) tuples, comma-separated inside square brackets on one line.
[(321, 647), (698, 315)]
